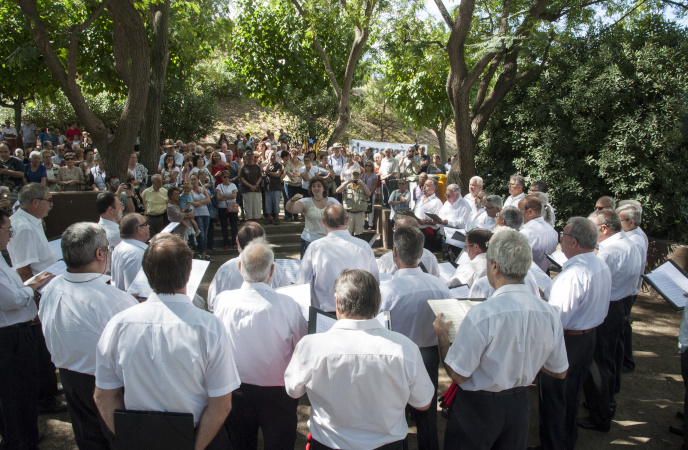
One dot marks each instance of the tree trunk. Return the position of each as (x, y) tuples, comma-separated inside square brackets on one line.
[(160, 55), (441, 134), (464, 165)]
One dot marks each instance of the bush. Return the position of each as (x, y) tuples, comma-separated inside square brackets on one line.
[(58, 112)]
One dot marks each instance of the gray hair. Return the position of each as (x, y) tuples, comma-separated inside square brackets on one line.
[(477, 179), (31, 192), (584, 231), (631, 211), (635, 203), (358, 293), (405, 221), (455, 188), (80, 242), (546, 210), (512, 217), (257, 260), (409, 244), (518, 179), (495, 200), (35, 153), (606, 217), (513, 254), (157, 176)]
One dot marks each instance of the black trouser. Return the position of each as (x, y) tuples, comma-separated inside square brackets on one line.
[(156, 223), (90, 432), (486, 420), (426, 421), (684, 374), (268, 408), (624, 348), (396, 445), (18, 387), (230, 217), (559, 399), (47, 378), (432, 241), (221, 440), (304, 246), (599, 384)]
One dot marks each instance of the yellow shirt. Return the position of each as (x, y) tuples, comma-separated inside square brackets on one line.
[(156, 202)]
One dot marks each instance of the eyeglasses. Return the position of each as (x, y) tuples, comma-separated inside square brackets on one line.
[(562, 234), (49, 200), (10, 230), (144, 224)]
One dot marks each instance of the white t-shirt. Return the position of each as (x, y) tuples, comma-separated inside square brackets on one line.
[(225, 190)]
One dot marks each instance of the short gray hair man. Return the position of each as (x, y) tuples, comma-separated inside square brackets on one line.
[(477, 180), (80, 242), (510, 249), (357, 294), (257, 261), (31, 192), (631, 212), (408, 244), (584, 231), (511, 217), (607, 218), (455, 188), (495, 201)]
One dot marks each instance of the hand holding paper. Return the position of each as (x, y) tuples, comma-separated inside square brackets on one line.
[(441, 327)]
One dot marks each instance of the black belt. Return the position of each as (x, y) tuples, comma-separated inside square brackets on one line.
[(578, 332), (18, 325), (155, 215), (511, 391)]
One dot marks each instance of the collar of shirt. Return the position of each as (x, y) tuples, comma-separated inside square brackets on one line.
[(611, 239), (255, 286), (408, 272), (135, 243), (480, 256), (353, 324), (85, 277), (33, 220), (511, 288), (338, 233), (110, 223), (575, 259), (169, 298)]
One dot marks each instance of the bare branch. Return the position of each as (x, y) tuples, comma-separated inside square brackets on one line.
[(676, 4), (485, 82), (445, 14)]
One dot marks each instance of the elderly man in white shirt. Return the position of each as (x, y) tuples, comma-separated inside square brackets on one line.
[(456, 211), (406, 297), (110, 210), (500, 347), (327, 257), (228, 277), (623, 258), (543, 239), (476, 247), (168, 335), (487, 219), (428, 203), (389, 169), (263, 328), (475, 186), (81, 296), (517, 184), (359, 377), (428, 260), (127, 256), (580, 295)]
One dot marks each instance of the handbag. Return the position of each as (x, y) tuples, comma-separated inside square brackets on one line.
[(232, 207)]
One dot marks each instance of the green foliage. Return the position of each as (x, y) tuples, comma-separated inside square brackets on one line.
[(607, 118), (58, 112), (187, 113)]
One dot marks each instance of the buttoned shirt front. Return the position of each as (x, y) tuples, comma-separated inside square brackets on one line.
[(505, 341), (359, 377), (543, 240), (388, 167), (75, 308), (111, 231), (17, 304), (580, 293), (623, 258), (513, 201), (482, 220), (156, 202), (263, 328), (336, 163), (29, 246), (326, 258), (426, 205), (126, 262), (470, 272), (457, 214), (228, 278), (385, 263), (168, 354), (406, 296)]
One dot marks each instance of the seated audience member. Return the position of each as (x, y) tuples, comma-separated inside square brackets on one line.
[(128, 374), (260, 321), (12, 173), (70, 177), (428, 261), (406, 297), (228, 277), (126, 258), (517, 185), (376, 373), (81, 296), (476, 247)]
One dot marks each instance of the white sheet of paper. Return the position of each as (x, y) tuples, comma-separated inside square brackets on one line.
[(384, 318), (460, 291), (454, 310), (56, 247), (140, 287), (56, 269), (170, 227), (300, 293), (324, 323), (559, 257), (446, 271), (291, 266), (671, 281), (449, 232)]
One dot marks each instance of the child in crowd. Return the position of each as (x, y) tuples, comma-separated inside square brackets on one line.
[(185, 205)]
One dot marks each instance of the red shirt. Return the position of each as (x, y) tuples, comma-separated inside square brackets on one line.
[(73, 134)]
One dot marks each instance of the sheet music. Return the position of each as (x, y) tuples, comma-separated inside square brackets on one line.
[(56, 247), (373, 239), (559, 257), (671, 282), (454, 310), (460, 291), (56, 269), (291, 266), (449, 232), (140, 287), (324, 323), (446, 271), (542, 279), (170, 227), (300, 293)]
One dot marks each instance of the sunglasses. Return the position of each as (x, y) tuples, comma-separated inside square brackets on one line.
[(144, 224)]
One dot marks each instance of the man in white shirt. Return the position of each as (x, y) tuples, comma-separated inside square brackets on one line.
[(389, 169), (476, 247), (337, 162), (75, 308), (18, 352), (500, 347), (406, 297), (580, 295), (428, 260), (517, 185), (327, 257), (623, 258), (228, 277), (168, 334), (127, 256), (475, 186), (263, 327), (487, 219), (456, 211), (543, 239), (428, 203), (110, 211), (359, 377)]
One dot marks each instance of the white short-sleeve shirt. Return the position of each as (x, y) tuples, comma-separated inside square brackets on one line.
[(505, 341), (16, 300), (126, 262), (169, 355), (29, 246), (470, 272), (623, 258), (543, 240), (111, 231), (385, 263), (359, 377), (263, 327), (457, 215)]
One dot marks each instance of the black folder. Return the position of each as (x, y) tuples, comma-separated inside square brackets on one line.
[(153, 430)]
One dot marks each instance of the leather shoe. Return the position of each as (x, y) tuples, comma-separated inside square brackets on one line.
[(587, 424), (52, 408), (676, 430)]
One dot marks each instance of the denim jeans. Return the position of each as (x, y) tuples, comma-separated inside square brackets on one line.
[(272, 199), (203, 222)]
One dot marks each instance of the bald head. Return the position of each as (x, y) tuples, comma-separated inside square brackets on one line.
[(335, 218), (247, 233)]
